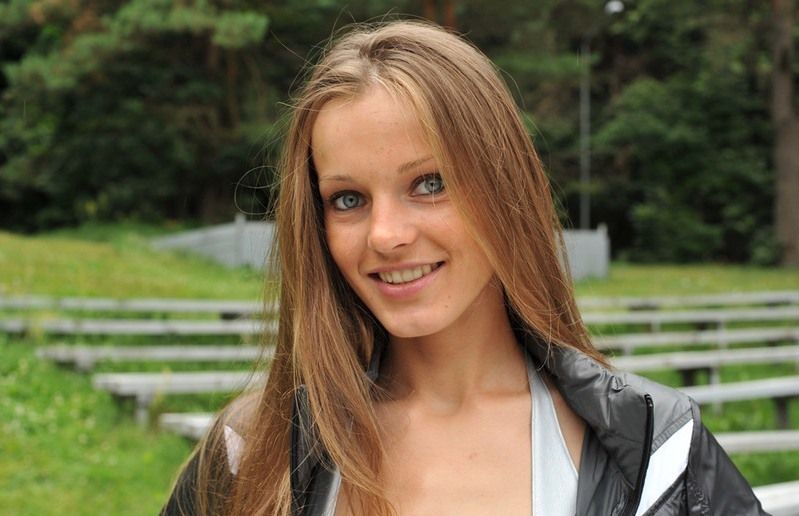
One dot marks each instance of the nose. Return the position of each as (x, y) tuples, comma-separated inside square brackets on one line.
[(391, 226)]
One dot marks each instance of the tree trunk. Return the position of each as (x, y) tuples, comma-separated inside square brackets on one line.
[(429, 10), (786, 134), (450, 20), (231, 95), (441, 12)]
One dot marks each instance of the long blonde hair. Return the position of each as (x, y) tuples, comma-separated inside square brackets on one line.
[(326, 335)]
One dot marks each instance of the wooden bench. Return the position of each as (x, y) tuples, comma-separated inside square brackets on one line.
[(243, 307), (721, 338), (774, 298), (144, 387), (136, 327), (242, 327), (779, 499), (719, 318), (689, 363), (84, 358), (781, 390), (225, 308)]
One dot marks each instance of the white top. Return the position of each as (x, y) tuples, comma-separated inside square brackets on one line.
[(554, 474), (554, 487)]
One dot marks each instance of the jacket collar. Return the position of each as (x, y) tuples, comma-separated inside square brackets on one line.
[(615, 410)]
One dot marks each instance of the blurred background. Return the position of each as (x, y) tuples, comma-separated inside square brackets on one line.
[(671, 123), (652, 116)]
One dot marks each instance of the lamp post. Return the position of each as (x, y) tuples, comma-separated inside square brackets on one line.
[(612, 7)]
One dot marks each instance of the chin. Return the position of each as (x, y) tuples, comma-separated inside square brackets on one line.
[(405, 329)]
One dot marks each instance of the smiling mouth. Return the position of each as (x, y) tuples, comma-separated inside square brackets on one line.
[(408, 275)]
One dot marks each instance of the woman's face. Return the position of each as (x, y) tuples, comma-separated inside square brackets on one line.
[(391, 227)]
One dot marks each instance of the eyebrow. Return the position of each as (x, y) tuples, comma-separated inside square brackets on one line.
[(402, 169), (413, 164)]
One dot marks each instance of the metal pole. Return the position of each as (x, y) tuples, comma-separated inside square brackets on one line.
[(585, 135)]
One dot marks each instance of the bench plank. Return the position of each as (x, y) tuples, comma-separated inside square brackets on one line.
[(786, 386), (779, 499), (193, 425), (759, 441), (161, 305), (718, 317), (136, 384), (85, 357), (780, 389), (699, 337), (706, 359), (789, 297), (137, 327), (143, 387)]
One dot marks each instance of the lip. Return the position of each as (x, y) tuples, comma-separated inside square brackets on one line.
[(404, 290)]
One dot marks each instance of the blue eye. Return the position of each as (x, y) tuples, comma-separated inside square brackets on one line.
[(346, 201), (429, 184)]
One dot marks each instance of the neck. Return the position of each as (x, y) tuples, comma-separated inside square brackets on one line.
[(474, 357)]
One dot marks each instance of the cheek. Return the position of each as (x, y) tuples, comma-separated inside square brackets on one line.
[(343, 247), (476, 260)]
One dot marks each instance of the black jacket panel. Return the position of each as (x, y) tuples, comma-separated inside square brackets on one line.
[(715, 486)]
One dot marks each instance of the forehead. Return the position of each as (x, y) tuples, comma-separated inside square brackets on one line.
[(375, 131)]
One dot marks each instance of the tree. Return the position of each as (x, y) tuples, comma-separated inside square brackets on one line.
[(143, 109), (786, 133), (150, 109), (683, 138)]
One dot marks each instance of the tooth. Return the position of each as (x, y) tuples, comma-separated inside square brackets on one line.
[(407, 275)]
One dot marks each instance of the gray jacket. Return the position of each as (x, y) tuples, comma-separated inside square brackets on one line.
[(645, 452)]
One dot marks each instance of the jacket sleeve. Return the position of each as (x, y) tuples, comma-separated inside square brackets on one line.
[(182, 501), (203, 482), (714, 484)]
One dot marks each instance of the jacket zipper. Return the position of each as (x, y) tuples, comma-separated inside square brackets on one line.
[(632, 504)]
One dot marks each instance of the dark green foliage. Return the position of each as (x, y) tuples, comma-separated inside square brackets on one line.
[(127, 111), (681, 137), (691, 137), (153, 109)]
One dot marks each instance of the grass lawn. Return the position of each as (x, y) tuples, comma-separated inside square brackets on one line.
[(100, 262), (68, 449), (661, 280)]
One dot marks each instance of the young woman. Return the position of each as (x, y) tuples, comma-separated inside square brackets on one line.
[(430, 355)]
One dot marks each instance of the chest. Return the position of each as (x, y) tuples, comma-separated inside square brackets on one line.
[(478, 462)]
